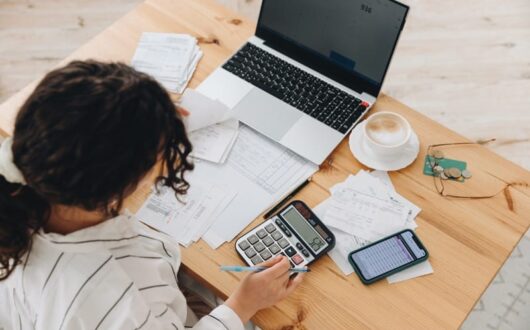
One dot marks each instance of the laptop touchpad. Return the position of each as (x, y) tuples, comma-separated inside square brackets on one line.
[(266, 114)]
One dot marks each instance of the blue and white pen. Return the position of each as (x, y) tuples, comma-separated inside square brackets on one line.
[(239, 269)]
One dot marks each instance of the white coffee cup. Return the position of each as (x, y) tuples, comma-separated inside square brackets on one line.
[(386, 134)]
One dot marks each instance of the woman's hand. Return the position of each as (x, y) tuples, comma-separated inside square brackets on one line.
[(263, 289), (183, 112)]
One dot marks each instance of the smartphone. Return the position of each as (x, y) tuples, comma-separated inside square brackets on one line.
[(388, 256)]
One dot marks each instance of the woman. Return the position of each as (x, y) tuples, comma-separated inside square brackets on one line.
[(83, 141)]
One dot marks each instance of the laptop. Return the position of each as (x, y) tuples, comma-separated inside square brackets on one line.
[(311, 71)]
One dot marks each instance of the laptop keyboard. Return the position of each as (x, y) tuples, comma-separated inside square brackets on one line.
[(296, 87)]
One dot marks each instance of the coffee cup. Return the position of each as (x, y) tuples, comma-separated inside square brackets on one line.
[(386, 134)]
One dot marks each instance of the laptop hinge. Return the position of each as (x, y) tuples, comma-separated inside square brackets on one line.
[(368, 98), (256, 40)]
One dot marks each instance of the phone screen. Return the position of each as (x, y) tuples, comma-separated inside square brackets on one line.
[(384, 256)]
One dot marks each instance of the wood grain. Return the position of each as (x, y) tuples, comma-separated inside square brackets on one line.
[(465, 64), (468, 239)]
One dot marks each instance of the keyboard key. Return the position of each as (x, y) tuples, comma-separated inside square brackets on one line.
[(256, 260), (276, 235), (252, 239), (259, 246), (261, 233), (268, 241), (297, 259), (244, 245), (283, 243), (275, 249), (270, 228), (250, 252), (290, 251), (265, 255)]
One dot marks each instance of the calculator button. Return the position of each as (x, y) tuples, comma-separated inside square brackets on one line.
[(283, 243), (250, 252), (286, 231), (290, 251), (275, 249), (265, 255), (268, 241), (244, 245), (276, 235), (261, 233), (305, 253), (256, 260), (252, 239), (270, 227), (278, 222), (259, 246), (297, 259), (299, 246)]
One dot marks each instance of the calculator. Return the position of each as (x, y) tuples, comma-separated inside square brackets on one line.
[(295, 232)]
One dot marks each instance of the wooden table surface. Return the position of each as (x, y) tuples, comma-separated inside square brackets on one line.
[(468, 240)]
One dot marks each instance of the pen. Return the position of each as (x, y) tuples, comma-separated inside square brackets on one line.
[(239, 269), (285, 199)]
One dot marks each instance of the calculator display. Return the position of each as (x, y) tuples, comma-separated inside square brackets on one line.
[(303, 228)]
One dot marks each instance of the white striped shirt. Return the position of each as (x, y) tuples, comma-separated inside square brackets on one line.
[(119, 274)]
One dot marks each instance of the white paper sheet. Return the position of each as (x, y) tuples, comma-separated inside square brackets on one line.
[(418, 270), (189, 219), (214, 143), (203, 111), (261, 171), (363, 208), (170, 58)]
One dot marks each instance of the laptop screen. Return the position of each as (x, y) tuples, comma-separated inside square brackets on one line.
[(353, 36)]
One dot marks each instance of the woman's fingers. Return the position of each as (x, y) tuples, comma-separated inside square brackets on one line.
[(183, 112), (294, 282), (277, 267)]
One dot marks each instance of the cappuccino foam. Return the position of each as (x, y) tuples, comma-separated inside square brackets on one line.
[(386, 130)]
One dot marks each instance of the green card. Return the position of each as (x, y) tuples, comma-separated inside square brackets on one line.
[(444, 162)]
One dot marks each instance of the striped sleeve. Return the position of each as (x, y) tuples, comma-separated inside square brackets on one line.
[(223, 317), (110, 299)]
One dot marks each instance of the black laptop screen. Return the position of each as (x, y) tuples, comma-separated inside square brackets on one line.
[(352, 36)]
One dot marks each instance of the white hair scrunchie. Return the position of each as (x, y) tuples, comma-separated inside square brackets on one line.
[(7, 167)]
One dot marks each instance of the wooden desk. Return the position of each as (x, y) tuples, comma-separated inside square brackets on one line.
[(469, 240)]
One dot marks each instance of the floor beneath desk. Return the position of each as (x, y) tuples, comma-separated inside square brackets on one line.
[(465, 64)]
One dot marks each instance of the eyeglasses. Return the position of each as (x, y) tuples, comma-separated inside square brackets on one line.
[(439, 181)]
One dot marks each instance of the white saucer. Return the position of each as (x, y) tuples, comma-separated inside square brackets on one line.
[(389, 163)]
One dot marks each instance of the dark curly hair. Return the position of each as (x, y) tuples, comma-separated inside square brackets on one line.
[(85, 137)]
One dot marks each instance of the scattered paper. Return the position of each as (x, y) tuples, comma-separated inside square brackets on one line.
[(186, 220), (224, 198), (203, 111), (212, 129), (170, 58), (262, 172), (214, 143), (362, 209)]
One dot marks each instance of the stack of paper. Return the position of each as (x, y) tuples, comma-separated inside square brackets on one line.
[(261, 171), (363, 209), (225, 198), (212, 129), (170, 58), (189, 218)]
